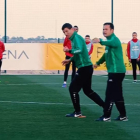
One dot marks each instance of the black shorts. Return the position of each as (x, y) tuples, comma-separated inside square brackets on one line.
[(82, 79)]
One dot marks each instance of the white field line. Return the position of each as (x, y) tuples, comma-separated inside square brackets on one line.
[(19, 102), (46, 84), (45, 103), (25, 84)]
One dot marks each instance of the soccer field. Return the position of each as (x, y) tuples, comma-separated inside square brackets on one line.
[(33, 107)]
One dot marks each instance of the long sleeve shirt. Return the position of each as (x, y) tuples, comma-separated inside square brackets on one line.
[(113, 55), (79, 51), (67, 43)]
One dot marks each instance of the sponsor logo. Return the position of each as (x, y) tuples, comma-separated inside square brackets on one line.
[(8, 54), (106, 119)]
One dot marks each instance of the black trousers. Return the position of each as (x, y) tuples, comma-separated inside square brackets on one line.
[(134, 67), (114, 94), (67, 69), (82, 80)]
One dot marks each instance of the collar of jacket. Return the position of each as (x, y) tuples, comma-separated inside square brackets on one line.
[(88, 42), (71, 38), (134, 40), (109, 37)]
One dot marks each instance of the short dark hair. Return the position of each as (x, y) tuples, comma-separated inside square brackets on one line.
[(87, 36), (134, 33), (75, 26), (111, 25), (66, 25)]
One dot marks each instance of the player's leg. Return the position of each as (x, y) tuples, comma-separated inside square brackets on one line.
[(73, 70), (66, 73), (74, 89), (133, 61), (87, 87), (108, 99), (119, 100)]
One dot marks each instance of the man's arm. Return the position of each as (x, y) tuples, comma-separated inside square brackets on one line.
[(65, 42), (101, 60), (128, 50), (3, 47), (109, 43)]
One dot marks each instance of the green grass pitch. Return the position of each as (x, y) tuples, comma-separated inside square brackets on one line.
[(34, 108)]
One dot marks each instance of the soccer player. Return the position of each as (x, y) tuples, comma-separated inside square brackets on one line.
[(133, 52), (2, 49), (113, 57), (89, 45), (83, 77)]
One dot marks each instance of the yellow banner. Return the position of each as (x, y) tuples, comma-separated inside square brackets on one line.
[(55, 56)]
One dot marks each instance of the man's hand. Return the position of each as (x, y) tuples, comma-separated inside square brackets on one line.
[(95, 66), (96, 40), (66, 49), (65, 62), (138, 59)]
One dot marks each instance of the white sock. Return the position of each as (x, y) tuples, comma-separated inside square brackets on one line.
[(65, 82)]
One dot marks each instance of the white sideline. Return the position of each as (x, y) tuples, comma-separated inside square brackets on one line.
[(45, 103), (45, 84), (30, 84), (19, 102)]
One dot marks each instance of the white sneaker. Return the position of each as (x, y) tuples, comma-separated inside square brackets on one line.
[(135, 81)]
